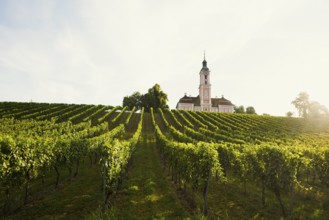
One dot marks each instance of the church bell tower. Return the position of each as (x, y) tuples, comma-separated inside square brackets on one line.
[(205, 87)]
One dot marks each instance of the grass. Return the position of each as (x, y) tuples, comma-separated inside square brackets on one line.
[(230, 201), (146, 194), (72, 200)]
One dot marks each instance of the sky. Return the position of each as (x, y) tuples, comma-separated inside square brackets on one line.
[(261, 53)]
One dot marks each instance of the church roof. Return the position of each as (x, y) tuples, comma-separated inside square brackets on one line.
[(220, 101), (196, 101), (189, 99)]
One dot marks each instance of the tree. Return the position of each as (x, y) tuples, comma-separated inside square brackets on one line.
[(250, 110), (154, 98), (302, 104), (316, 110), (133, 101), (309, 109), (146, 102), (289, 114), (239, 109)]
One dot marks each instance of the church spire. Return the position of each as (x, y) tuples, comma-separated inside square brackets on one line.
[(204, 63)]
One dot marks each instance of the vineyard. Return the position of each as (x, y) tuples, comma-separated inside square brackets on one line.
[(69, 161)]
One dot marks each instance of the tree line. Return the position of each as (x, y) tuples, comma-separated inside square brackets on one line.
[(154, 98)]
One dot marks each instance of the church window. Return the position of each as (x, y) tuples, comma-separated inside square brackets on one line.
[(205, 76), (206, 82)]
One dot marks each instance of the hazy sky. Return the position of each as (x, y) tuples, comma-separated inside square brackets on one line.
[(260, 53)]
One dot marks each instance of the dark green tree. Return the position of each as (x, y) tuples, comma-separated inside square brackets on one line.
[(147, 102), (155, 98), (250, 110), (239, 109), (133, 101)]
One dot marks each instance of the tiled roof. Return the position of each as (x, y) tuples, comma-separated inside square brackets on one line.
[(196, 101), (189, 99), (220, 101)]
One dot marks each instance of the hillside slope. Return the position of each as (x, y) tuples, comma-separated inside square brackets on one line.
[(264, 167)]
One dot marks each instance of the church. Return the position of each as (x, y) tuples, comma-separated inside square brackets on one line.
[(204, 102)]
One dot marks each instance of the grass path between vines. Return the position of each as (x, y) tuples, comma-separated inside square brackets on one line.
[(73, 199), (146, 193)]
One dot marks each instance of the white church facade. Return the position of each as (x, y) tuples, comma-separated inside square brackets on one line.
[(204, 102)]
